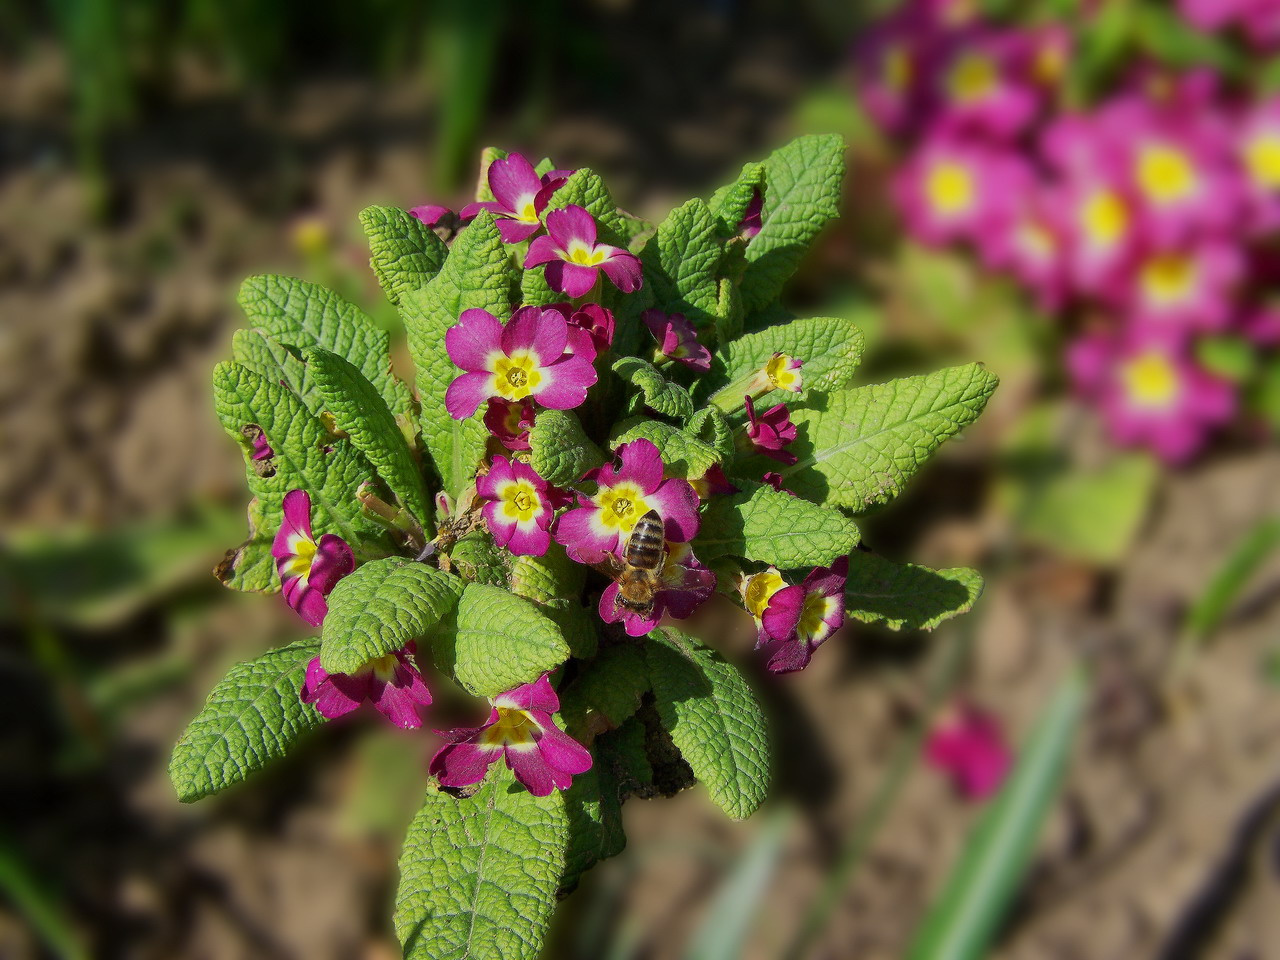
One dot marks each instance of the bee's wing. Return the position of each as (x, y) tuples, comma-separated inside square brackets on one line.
[(610, 566)]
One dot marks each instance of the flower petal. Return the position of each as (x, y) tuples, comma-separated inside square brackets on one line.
[(624, 270), (542, 250), (532, 770), (677, 501), (572, 223), (545, 332), (515, 231), (565, 383), (333, 561), (563, 752), (639, 462), (467, 392), (571, 279), (474, 339), (538, 696), (584, 541), (463, 763), (512, 179), (296, 523)]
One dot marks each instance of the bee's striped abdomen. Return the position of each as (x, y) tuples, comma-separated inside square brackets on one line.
[(645, 546)]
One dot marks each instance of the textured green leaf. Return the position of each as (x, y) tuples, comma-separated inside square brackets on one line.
[(712, 427), (559, 450), (611, 685), (495, 641), (272, 360), (773, 527), (359, 411), (478, 558), (801, 194), (904, 596), (594, 808), (253, 715), (713, 718), (830, 347), (978, 891), (406, 253), (682, 454), (487, 156), (299, 443), (380, 607), (680, 262), (476, 274), (859, 447), (299, 314), (250, 566), (478, 875), (660, 394), (554, 583), (623, 752), (729, 203)]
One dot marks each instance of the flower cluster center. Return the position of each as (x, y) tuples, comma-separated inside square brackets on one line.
[(622, 506), (513, 728), (951, 188), (516, 377), (1150, 380), (1262, 156), (1169, 278), (974, 78), (1166, 175)]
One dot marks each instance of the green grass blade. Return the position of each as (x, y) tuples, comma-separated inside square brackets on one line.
[(35, 903), (1232, 577), (977, 893)]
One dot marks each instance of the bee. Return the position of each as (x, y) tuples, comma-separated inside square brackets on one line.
[(639, 572)]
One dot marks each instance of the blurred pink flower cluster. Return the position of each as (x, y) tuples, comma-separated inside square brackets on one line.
[(1149, 209)]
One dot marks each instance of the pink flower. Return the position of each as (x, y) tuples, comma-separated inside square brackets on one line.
[(985, 84), (1098, 223), (596, 320), (1187, 289), (1150, 393), (391, 683), (520, 196), (970, 749), (601, 524), (686, 585), (309, 569), (889, 64), (1030, 247), (574, 259), (752, 222), (430, 213), (780, 372), (509, 422), (1260, 19), (1257, 148), (677, 340), (518, 506), (521, 729), (525, 358), (796, 620), (713, 483), (770, 432), (952, 189)]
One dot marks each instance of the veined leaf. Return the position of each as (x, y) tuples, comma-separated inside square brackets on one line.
[(478, 875), (660, 394), (858, 447), (680, 262), (254, 715), (380, 607), (611, 685), (559, 451), (773, 527), (904, 596), (554, 583), (729, 203), (713, 718), (272, 360), (682, 454), (406, 253), (594, 808)]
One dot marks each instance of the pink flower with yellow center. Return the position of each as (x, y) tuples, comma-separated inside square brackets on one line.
[(797, 619), (1191, 288), (574, 259), (985, 84), (677, 340), (955, 189), (686, 585), (522, 730), (1257, 148), (508, 421), (519, 197), (780, 372), (890, 62), (1150, 393), (518, 506), (527, 358), (1030, 247), (309, 568), (1098, 224), (391, 683), (602, 523)]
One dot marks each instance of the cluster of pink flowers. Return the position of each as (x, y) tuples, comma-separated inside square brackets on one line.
[(1142, 215)]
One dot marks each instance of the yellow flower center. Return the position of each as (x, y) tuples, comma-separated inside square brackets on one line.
[(950, 188), (813, 615), (622, 506), (1169, 278), (384, 668), (585, 256), (898, 68), (1150, 380), (526, 211), (1166, 175), (1105, 218), (973, 78), (1262, 157), (780, 374), (304, 554), (520, 501), (760, 589), (516, 377), (513, 728), (1050, 63)]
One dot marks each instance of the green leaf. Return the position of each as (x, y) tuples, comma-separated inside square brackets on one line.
[(406, 253), (682, 454), (610, 685), (559, 451), (253, 716), (729, 203), (250, 567), (481, 560), (1246, 557), (904, 596), (773, 527), (359, 411), (802, 193), (858, 447), (977, 894), (495, 641), (554, 583), (660, 394), (594, 808), (299, 314), (476, 274), (713, 718), (680, 262), (478, 875), (272, 360), (830, 347), (299, 443), (712, 427), (380, 607)]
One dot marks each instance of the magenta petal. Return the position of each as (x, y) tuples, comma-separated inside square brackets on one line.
[(473, 339), (528, 541), (311, 605), (462, 764), (466, 393), (399, 706), (542, 250), (565, 383), (512, 179), (546, 332), (786, 656), (531, 770), (581, 539), (432, 213), (537, 697), (677, 501), (500, 473), (563, 752), (333, 561), (472, 210), (572, 223), (316, 675), (782, 616), (640, 463), (408, 679), (502, 528), (296, 522), (623, 269), (515, 231), (572, 279)]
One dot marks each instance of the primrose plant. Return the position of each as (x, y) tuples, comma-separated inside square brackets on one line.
[(610, 423)]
